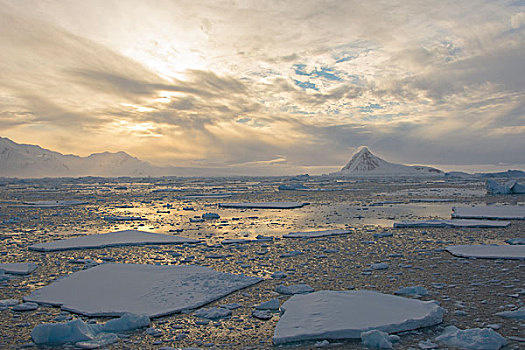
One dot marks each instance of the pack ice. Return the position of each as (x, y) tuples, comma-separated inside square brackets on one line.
[(451, 223), (264, 205), (488, 251), (152, 290), (314, 234), (506, 212), (346, 314), (111, 239)]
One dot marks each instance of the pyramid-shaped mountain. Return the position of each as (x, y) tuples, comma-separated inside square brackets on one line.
[(364, 163)]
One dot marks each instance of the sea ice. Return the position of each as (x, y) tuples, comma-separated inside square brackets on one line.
[(153, 290), (518, 314), (412, 291), (294, 289), (488, 251), (213, 313), (25, 307), (264, 205), (376, 339), (347, 314), (123, 218), (18, 268), (451, 223), (272, 304), (236, 241), (506, 212), (313, 234), (111, 239), (50, 204), (210, 216), (516, 241), (511, 187), (79, 331), (474, 338)]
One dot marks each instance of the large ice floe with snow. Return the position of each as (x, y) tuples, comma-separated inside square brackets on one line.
[(52, 204), (314, 234), (111, 239), (488, 251), (506, 212), (452, 223), (18, 268), (87, 335), (152, 290), (264, 205), (347, 314)]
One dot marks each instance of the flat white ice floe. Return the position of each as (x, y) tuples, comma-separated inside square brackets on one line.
[(474, 338), (506, 212), (18, 268), (152, 290), (347, 314), (50, 204), (111, 239), (451, 223), (123, 218), (264, 205), (313, 234), (488, 251)]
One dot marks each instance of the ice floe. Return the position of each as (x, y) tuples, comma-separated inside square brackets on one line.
[(516, 241), (213, 313), (376, 339), (114, 289), (123, 218), (488, 251), (314, 234), (57, 203), (87, 335), (264, 205), (518, 314), (294, 289), (417, 291), (506, 212), (111, 239), (474, 338), (347, 314), (18, 268), (451, 223)]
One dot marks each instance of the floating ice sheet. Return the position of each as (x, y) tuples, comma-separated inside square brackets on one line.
[(451, 223), (264, 205), (346, 314), (18, 268), (123, 218), (488, 251), (114, 289), (313, 234), (111, 239), (507, 212), (50, 204)]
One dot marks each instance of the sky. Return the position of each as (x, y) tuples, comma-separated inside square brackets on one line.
[(277, 87)]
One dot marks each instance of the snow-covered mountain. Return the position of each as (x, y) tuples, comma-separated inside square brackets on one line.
[(364, 163), (30, 161)]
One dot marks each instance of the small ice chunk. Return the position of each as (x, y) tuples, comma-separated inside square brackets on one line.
[(213, 313), (262, 314), (99, 341), (518, 314), (123, 218), (488, 251), (376, 339), (383, 234), (379, 266), (269, 305), (18, 268), (412, 291), (294, 289), (278, 275), (427, 345), (236, 241), (8, 302), (474, 338), (126, 322), (211, 216), (314, 234), (25, 307)]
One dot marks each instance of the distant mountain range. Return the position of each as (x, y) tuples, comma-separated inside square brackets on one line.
[(28, 161), (365, 163)]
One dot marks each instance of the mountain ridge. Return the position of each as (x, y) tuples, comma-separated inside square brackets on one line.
[(365, 163)]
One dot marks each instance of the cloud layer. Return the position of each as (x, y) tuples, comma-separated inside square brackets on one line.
[(291, 86)]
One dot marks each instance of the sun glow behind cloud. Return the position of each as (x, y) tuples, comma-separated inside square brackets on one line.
[(249, 82)]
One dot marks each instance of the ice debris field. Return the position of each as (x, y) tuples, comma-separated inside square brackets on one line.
[(237, 263)]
